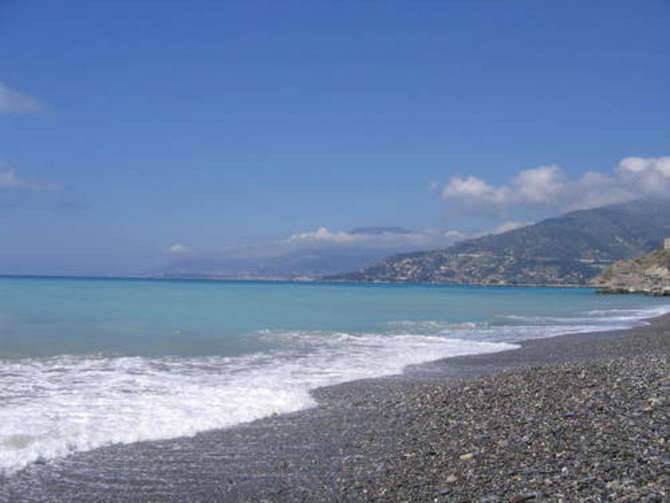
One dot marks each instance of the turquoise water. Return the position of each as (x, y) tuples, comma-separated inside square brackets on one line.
[(89, 362), (46, 316)]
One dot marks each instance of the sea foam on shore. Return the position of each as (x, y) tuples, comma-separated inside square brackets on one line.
[(176, 368), (56, 406), (585, 418)]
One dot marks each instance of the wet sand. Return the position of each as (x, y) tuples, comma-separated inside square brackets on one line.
[(571, 418)]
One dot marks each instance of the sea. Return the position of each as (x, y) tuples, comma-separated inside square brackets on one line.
[(88, 362)]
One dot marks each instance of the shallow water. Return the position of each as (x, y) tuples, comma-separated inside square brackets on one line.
[(92, 362)]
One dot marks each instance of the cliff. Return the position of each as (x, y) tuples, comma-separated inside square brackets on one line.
[(648, 274)]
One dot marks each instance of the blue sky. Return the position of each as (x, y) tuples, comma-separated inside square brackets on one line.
[(135, 131)]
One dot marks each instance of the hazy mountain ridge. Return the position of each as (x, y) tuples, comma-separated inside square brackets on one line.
[(571, 249), (303, 256), (301, 263)]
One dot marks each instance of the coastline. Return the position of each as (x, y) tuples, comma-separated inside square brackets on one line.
[(565, 418), (290, 279)]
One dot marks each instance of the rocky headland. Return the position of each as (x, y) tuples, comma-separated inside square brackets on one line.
[(648, 274)]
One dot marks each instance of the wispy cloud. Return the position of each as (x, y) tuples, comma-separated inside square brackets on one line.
[(510, 225), (16, 102), (549, 186), (322, 237), (178, 249), (648, 175), (9, 180)]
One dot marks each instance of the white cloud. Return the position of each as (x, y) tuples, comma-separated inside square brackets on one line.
[(548, 186), (12, 101), (538, 185), (509, 226), (178, 249), (454, 236), (9, 180), (470, 187), (594, 189), (393, 240), (322, 234), (649, 175), (532, 186), (639, 165)]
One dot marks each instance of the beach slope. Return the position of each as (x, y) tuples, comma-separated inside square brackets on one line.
[(571, 418)]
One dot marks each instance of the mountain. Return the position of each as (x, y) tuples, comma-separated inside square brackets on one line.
[(297, 264), (567, 250), (368, 245), (648, 274)]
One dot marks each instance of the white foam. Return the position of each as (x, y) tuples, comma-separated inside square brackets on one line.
[(53, 407), (633, 314), (596, 320), (433, 326)]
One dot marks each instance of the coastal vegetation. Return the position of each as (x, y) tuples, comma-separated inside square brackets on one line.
[(568, 250)]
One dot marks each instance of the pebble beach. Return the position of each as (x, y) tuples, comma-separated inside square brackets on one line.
[(571, 418)]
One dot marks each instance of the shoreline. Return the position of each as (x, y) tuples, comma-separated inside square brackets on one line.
[(300, 280), (449, 430)]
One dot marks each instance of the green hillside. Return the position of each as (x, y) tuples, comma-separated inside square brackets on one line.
[(571, 249)]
